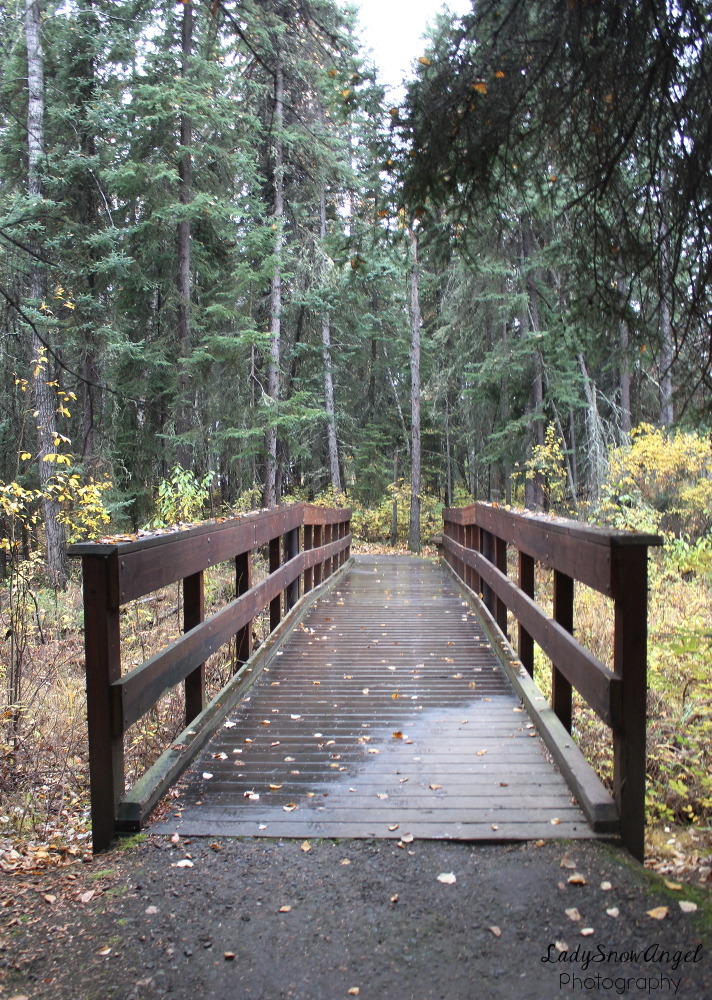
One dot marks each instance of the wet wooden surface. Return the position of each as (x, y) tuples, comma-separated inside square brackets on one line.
[(386, 715)]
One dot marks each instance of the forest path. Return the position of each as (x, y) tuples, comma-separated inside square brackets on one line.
[(386, 714)]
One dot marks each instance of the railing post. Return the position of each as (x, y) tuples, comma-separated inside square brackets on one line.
[(291, 545), (243, 582), (318, 542), (500, 561), (308, 543), (630, 594), (526, 583), (564, 615), (328, 537), (102, 644), (193, 614), (275, 605), (487, 550)]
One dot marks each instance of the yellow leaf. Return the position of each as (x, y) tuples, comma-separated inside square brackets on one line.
[(658, 912), (480, 87), (495, 930), (499, 74)]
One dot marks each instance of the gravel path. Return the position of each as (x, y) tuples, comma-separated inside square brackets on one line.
[(272, 919)]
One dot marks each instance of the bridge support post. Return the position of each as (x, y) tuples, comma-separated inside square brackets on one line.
[(243, 582), (308, 543), (275, 605), (291, 546), (193, 614), (318, 567), (630, 595), (564, 615), (526, 584), (102, 644)]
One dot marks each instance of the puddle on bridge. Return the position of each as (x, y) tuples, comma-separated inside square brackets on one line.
[(387, 713)]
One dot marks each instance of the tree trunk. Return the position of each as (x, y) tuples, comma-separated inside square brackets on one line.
[(328, 368), (414, 528), (43, 393), (185, 174), (529, 321), (275, 302)]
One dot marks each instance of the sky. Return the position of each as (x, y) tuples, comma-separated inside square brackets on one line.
[(393, 30)]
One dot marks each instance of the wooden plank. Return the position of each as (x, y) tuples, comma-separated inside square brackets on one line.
[(387, 712), (598, 685)]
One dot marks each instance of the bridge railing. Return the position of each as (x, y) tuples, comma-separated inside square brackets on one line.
[(305, 545), (476, 540)]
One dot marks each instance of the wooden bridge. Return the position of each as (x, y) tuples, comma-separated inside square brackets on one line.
[(386, 700)]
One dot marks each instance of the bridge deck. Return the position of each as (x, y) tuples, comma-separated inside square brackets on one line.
[(387, 713)]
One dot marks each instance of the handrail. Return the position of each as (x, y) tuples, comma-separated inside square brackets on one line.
[(475, 541), (306, 544)]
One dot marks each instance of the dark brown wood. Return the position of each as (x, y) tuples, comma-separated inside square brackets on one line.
[(243, 583), (318, 564), (136, 692), (630, 591), (331, 753), (308, 544), (612, 562), (598, 685), (525, 647), (291, 546), (275, 607), (500, 561), (102, 644), (563, 614), (193, 614)]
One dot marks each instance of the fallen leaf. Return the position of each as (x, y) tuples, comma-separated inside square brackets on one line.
[(151, 910), (577, 879), (447, 878), (104, 951), (295, 716), (586, 931), (561, 946), (567, 861), (398, 735), (345, 862), (394, 898), (407, 838), (497, 931), (435, 787), (49, 898), (85, 897), (185, 863), (365, 690), (613, 911), (494, 826), (672, 885), (285, 909), (573, 914), (658, 912), (290, 807), (229, 956), (274, 788), (480, 753), (207, 775), (354, 991), (372, 750), (381, 795), (686, 906), (555, 821), (393, 827), (306, 846), (606, 886)]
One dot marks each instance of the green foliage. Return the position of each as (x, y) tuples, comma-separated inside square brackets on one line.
[(182, 498), (373, 524)]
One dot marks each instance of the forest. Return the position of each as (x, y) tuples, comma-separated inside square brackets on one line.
[(235, 275)]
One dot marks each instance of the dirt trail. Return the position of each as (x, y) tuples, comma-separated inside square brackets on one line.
[(267, 919)]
